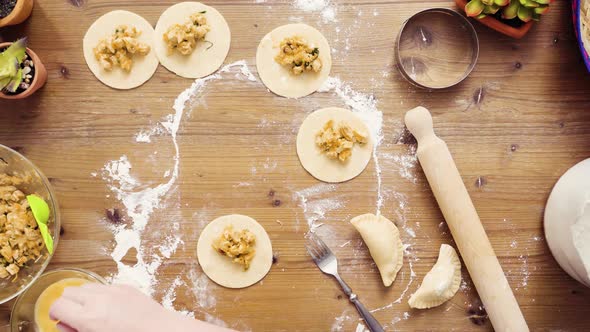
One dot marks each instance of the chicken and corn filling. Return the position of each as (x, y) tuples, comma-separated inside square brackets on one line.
[(237, 245), (20, 239), (336, 141), (184, 37), (119, 48), (298, 56)]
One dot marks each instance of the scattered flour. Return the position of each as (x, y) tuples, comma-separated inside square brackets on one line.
[(324, 7), (338, 324), (407, 164), (314, 206), (199, 284), (170, 297), (141, 200), (145, 136), (361, 328)]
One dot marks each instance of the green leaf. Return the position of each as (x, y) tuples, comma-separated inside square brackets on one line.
[(511, 11), (41, 213), (523, 2), (543, 2), (15, 81), (525, 14), (487, 2), (480, 16), (531, 4), (17, 50), (491, 10), (9, 70), (502, 3), (474, 8), (541, 10)]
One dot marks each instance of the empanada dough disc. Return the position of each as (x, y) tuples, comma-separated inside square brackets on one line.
[(317, 163), (220, 268), (143, 67), (441, 283), (383, 240), (276, 77), (202, 61)]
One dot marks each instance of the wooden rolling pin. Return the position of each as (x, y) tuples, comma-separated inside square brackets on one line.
[(463, 221)]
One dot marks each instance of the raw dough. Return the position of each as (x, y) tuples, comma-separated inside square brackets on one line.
[(220, 268), (277, 78), (441, 283), (143, 68), (202, 61), (384, 243), (567, 222), (320, 166), (45, 301)]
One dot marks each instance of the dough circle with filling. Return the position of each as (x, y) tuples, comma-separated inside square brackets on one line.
[(219, 267), (144, 66), (316, 162), (207, 56), (278, 78)]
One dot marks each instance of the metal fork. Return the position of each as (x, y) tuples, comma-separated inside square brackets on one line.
[(327, 262)]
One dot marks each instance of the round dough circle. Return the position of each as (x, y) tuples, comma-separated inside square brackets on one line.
[(278, 78), (220, 268), (143, 68), (565, 207), (202, 61), (317, 163)]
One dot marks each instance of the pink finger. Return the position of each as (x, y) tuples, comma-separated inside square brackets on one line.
[(67, 312), (80, 294), (64, 328)]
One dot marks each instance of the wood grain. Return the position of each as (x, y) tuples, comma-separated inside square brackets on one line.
[(514, 126)]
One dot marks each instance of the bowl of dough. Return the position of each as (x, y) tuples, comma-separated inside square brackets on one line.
[(26, 247), (30, 312)]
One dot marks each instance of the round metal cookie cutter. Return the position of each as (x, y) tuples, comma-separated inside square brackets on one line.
[(436, 48)]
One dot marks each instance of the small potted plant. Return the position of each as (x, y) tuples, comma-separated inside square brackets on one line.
[(21, 70), (14, 11), (513, 18)]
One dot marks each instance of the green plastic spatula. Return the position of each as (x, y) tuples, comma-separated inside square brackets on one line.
[(41, 213)]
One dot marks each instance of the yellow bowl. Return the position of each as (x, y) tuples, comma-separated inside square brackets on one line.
[(14, 163), (22, 318)]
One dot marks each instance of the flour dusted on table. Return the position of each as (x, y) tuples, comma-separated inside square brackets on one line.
[(141, 200), (324, 7)]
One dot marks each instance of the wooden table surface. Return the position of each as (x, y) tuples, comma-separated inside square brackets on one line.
[(514, 126)]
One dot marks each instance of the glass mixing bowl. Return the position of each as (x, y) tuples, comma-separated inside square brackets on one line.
[(22, 317), (14, 163)]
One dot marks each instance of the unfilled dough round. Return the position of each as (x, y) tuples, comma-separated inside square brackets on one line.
[(220, 268), (202, 61), (143, 67), (278, 78), (567, 224), (317, 163)]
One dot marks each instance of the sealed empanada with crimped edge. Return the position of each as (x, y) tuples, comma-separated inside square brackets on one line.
[(440, 283), (383, 240)]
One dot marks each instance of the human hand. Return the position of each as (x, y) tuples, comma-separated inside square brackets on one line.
[(118, 308)]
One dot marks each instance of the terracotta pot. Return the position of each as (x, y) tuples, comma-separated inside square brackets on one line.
[(21, 12), (38, 80), (500, 26)]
